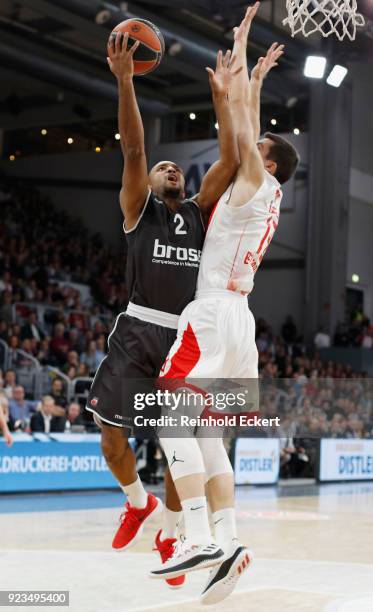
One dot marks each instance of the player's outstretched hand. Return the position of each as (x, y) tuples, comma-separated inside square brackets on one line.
[(265, 64), (120, 58), (221, 78), (242, 32)]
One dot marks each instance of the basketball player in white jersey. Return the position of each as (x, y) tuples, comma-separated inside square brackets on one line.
[(216, 332)]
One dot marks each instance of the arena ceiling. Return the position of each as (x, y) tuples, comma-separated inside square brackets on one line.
[(53, 66)]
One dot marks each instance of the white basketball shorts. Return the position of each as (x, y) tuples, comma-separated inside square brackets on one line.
[(215, 339)]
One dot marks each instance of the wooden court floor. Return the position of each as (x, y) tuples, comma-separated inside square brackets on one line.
[(313, 549)]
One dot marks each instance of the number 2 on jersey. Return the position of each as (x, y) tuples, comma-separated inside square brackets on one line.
[(179, 219)]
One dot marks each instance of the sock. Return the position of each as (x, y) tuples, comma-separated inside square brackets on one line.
[(225, 528), (197, 528), (136, 494), (171, 522)]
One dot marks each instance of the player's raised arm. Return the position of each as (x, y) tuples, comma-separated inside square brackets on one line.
[(251, 171), (258, 74), (222, 172), (135, 175)]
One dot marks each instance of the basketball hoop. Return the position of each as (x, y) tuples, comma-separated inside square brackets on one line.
[(338, 17)]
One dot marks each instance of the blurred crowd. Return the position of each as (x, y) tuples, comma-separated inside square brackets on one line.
[(314, 399)]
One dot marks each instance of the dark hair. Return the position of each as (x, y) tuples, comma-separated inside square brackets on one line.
[(285, 155)]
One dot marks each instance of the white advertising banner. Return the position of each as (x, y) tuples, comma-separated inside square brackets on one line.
[(257, 460), (345, 460)]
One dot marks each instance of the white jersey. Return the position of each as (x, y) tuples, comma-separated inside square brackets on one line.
[(237, 238)]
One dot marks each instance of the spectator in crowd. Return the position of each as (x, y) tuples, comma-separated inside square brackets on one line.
[(44, 420), (58, 392), (321, 339), (100, 348), (90, 357), (32, 329), (21, 409), (74, 416), (44, 353), (59, 344), (72, 360), (10, 382), (6, 307)]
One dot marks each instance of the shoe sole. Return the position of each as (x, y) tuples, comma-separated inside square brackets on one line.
[(175, 574), (157, 510), (241, 564)]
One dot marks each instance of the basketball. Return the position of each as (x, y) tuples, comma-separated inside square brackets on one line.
[(150, 52)]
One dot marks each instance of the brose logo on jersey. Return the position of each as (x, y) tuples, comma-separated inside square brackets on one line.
[(179, 256)]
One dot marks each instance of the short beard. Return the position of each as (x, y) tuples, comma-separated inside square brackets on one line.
[(172, 192)]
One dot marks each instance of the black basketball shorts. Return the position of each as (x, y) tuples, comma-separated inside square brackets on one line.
[(137, 351)]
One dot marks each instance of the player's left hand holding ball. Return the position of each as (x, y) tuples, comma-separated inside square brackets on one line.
[(120, 58), (221, 78)]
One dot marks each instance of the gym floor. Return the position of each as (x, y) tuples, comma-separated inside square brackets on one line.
[(312, 547)]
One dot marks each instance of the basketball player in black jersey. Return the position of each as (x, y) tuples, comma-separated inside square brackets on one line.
[(165, 234)]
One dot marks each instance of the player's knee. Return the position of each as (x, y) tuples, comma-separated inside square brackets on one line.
[(183, 456), (215, 457)]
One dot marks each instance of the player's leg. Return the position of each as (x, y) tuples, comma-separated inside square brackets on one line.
[(140, 506), (183, 453), (110, 400), (242, 364), (187, 470)]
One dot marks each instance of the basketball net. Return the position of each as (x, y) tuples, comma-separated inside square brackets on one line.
[(339, 17)]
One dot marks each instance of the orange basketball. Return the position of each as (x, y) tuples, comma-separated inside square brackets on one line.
[(150, 52)]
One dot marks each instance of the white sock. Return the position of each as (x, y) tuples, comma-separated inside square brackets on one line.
[(171, 522), (136, 494), (225, 528), (197, 528)]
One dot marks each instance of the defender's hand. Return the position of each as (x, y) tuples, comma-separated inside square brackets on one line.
[(242, 32), (221, 79), (120, 58), (265, 64)]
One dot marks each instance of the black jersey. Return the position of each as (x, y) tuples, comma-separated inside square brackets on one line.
[(164, 251)]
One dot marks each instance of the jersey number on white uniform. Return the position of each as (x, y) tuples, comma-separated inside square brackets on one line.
[(179, 230)]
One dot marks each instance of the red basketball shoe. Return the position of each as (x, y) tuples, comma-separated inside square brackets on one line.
[(132, 522), (166, 548)]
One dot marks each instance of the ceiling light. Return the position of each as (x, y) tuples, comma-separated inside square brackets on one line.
[(174, 48), (290, 102), (117, 136), (70, 140), (337, 75), (103, 16), (98, 149), (192, 116), (216, 126), (355, 278), (274, 121), (296, 131), (314, 67), (44, 132)]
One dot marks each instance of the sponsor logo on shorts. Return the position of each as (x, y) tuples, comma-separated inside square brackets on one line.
[(175, 256), (94, 401)]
